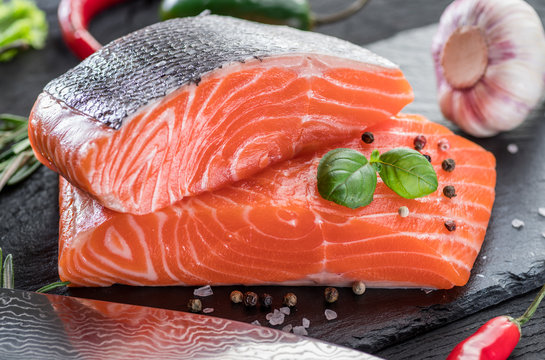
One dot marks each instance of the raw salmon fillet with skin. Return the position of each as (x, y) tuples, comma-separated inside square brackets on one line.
[(275, 228), (190, 105)]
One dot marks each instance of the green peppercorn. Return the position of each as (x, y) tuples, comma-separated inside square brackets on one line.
[(250, 299), (194, 305), (358, 287), (236, 296), (331, 294), (290, 299), (448, 165), (449, 191), (266, 300), (368, 137)]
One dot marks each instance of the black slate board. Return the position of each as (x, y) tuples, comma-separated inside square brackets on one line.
[(512, 261)]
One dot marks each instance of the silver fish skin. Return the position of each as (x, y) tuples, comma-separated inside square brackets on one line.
[(132, 71)]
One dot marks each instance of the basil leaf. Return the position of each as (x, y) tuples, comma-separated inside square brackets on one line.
[(346, 178), (408, 173)]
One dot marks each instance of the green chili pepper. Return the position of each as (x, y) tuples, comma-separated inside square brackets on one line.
[(295, 13)]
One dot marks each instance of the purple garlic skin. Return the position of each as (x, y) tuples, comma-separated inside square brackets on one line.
[(489, 58)]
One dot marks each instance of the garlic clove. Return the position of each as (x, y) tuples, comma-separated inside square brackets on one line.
[(464, 57), (490, 64)]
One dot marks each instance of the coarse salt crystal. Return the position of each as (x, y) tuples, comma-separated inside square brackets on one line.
[(208, 310), (285, 310), (512, 148), (277, 318), (268, 316), (517, 224), (256, 322), (403, 211), (480, 275), (306, 323), (299, 330), (329, 315), (203, 291), (541, 211), (543, 234), (287, 328)]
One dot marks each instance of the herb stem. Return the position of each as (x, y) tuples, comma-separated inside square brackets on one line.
[(12, 168), (52, 286), (7, 273), (17, 159)]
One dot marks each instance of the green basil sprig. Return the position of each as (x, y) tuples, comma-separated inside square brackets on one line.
[(408, 173), (347, 178)]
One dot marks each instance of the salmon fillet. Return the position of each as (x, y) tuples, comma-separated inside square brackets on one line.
[(275, 228), (190, 105)]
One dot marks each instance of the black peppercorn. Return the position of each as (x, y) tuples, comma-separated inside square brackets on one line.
[(194, 305), (266, 300), (450, 225), (420, 142), (427, 157), (250, 299), (449, 191), (331, 294), (290, 299), (448, 165), (368, 137), (236, 296)]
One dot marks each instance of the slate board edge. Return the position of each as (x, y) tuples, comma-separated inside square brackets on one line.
[(447, 313)]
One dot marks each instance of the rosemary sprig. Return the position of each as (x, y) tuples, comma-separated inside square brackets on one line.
[(17, 160), (52, 286), (6, 272), (7, 279)]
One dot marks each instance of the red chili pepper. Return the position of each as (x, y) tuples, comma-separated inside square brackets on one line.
[(74, 16), (496, 339)]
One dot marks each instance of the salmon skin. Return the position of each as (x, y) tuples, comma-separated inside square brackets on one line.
[(190, 105), (274, 228)]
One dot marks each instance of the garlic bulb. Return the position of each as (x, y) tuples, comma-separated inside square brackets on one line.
[(490, 64)]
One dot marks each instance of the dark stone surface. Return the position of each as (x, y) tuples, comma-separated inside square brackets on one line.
[(512, 262)]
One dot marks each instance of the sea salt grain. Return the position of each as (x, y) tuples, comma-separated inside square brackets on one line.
[(403, 211), (277, 318), (208, 310), (287, 328), (203, 291), (329, 315), (256, 322), (543, 234), (517, 224), (299, 330), (285, 310), (306, 323), (541, 211), (512, 148)]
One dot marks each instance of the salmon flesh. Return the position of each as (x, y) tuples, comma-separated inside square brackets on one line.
[(194, 104), (274, 228)]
